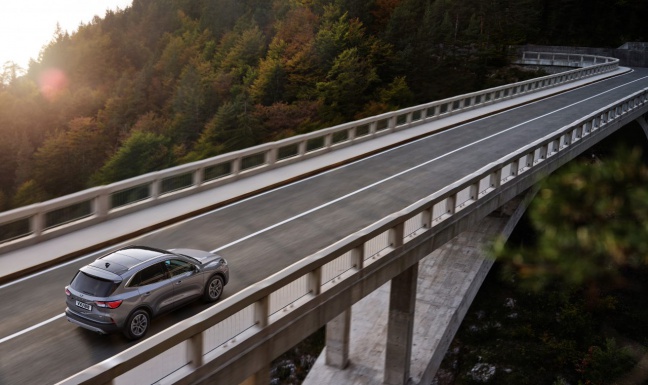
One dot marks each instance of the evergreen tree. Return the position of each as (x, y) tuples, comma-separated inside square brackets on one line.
[(141, 153)]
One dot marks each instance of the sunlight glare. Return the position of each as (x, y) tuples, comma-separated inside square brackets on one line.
[(52, 82), (28, 25)]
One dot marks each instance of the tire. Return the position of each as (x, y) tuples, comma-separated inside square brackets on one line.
[(137, 324), (213, 289)]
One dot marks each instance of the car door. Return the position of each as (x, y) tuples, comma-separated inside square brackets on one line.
[(155, 287), (186, 278)]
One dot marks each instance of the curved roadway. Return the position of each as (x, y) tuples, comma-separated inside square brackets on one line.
[(263, 234)]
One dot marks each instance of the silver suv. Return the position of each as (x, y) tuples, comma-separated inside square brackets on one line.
[(124, 289)]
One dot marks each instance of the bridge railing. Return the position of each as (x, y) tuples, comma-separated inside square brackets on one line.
[(42, 221), (563, 59), (238, 323)]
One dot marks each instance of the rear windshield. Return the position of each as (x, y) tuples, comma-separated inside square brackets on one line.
[(92, 285)]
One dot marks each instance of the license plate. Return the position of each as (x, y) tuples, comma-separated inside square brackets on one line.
[(83, 305)]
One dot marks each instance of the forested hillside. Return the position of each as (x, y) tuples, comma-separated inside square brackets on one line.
[(171, 81)]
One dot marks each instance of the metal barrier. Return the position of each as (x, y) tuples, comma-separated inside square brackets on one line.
[(244, 321), (42, 221)]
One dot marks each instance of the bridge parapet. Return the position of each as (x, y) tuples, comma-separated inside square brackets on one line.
[(629, 54), (42, 221), (234, 339), (563, 59)]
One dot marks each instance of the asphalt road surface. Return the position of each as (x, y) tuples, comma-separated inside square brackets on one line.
[(263, 234)]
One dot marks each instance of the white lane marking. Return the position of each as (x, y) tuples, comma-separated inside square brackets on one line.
[(406, 171), (316, 208), (7, 338)]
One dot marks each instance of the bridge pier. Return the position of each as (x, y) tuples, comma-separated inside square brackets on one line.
[(338, 333), (400, 327), (262, 377), (644, 124), (401, 331)]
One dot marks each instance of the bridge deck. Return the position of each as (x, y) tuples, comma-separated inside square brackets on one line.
[(274, 229)]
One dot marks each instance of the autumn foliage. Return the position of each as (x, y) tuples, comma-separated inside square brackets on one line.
[(170, 81)]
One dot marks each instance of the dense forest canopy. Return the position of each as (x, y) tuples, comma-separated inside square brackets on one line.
[(165, 82)]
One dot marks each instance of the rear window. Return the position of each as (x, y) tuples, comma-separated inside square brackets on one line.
[(92, 285)]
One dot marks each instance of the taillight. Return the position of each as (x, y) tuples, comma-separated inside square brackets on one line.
[(67, 292), (109, 304)]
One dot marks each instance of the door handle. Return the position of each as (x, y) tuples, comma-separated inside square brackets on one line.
[(179, 282), (146, 294)]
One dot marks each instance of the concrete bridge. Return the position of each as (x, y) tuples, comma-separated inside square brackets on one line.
[(303, 246)]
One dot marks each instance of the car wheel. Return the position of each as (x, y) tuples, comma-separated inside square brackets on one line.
[(214, 288), (137, 325)]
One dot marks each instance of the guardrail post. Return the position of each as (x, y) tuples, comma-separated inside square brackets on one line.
[(155, 187), (573, 135), (271, 156), (352, 133), (555, 146), (563, 141), (262, 311), (515, 167), (449, 107), (473, 191), (396, 235), (315, 281), (301, 148), (595, 124), (437, 110), (328, 141), (426, 217), (373, 128), (391, 124), (578, 133), (101, 205), (496, 178), (198, 176), (424, 112), (528, 161), (451, 204), (357, 257), (37, 224), (195, 351), (542, 153)]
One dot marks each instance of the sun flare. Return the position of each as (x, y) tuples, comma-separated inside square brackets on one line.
[(52, 82)]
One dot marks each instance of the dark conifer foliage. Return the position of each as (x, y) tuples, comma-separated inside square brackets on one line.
[(169, 81)]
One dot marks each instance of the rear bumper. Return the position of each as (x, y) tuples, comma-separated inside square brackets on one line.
[(98, 327)]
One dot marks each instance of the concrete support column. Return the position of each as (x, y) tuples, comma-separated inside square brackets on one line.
[(262, 377), (400, 327), (338, 332), (644, 124)]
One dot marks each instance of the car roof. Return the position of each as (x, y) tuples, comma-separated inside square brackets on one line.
[(121, 260)]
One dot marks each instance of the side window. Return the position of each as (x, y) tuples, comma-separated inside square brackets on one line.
[(152, 274), (177, 267)]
